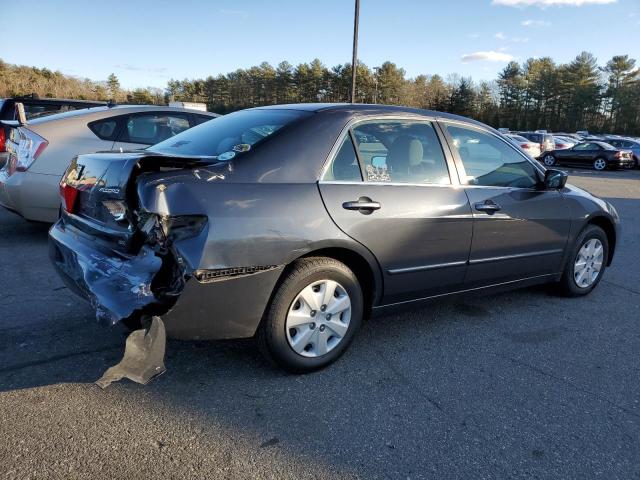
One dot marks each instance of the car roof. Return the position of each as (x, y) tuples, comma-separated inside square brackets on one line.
[(32, 99), (105, 111), (367, 109)]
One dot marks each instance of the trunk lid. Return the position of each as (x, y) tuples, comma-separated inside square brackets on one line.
[(99, 191)]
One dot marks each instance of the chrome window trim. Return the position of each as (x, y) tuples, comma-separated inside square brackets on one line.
[(479, 261), (433, 120)]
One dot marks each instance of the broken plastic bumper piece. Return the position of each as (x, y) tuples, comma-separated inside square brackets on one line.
[(117, 286), (143, 357)]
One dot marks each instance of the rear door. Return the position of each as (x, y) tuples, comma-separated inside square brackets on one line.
[(388, 186), (141, 130), (519, 230)]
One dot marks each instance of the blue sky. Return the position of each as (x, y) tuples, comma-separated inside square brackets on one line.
[(145, 43)]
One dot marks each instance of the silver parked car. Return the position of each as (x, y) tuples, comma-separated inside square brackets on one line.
[(40, 151), (530, 148)]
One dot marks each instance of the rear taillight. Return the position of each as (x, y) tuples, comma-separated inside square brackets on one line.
[(525, 146), (542, 147), (30, 147), (3, 140), (69, 196)]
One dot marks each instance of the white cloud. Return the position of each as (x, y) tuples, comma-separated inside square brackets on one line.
[(490, 56), (520, 39), (535, 23), (500, 36), (550, 3)]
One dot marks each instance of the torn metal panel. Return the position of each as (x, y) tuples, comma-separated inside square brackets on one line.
[(218, 274), (116, 286), (143, 357)]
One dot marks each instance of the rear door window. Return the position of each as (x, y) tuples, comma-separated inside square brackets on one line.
[(344, 167), (401, 151), (152, 128)]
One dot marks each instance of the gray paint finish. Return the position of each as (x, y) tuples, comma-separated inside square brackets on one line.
[(267, 208)]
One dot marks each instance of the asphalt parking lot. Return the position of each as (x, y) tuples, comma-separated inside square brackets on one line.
[(518, 385)]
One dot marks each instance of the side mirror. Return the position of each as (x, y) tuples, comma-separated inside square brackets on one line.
[(555, 179)]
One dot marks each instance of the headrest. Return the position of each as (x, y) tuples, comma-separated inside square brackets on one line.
[(415, 152)]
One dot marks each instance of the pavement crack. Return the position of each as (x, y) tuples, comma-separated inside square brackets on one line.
[(631, 290), (569, 383)]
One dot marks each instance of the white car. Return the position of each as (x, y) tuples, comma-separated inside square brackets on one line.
[(563, 142), (530, 148), (41, 150)]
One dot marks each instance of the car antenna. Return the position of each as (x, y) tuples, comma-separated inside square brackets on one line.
[(112, 103)]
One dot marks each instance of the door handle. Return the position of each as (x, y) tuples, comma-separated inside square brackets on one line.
[(488, 206), (364, 205)]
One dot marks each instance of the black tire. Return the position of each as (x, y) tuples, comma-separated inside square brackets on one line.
[(547, 160), (596, 161), (567, 285), (272, 334)]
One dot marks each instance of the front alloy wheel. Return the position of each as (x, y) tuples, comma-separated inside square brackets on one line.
[(549, 160), (599, 164), (313, 315), (587, 262)]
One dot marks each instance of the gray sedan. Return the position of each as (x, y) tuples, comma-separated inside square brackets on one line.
[(40, 151), (295, 223)]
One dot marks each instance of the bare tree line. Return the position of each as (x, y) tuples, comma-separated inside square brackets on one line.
[(537, 93)]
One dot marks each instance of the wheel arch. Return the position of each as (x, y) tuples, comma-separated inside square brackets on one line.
[(364, 266), (609, 229)]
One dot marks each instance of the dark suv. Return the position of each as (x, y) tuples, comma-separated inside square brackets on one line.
[(34, 106), (544, 139)]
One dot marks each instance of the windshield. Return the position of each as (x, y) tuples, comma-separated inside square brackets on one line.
[(518, 138), (229, 135)]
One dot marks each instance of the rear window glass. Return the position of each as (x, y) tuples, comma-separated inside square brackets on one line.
[(230, 134), (150, 128)]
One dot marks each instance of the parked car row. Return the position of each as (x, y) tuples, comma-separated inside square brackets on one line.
[(35, 107), (40, 151), (579, 149)]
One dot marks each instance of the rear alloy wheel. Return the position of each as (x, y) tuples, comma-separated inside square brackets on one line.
[(599, 164), (313, 315), (586, 263), (549, 160)]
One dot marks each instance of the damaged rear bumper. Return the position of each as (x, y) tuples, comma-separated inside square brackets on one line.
[(211, 304), (118, 287)]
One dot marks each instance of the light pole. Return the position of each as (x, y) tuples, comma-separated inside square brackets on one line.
[(375, 82), (354, 61)]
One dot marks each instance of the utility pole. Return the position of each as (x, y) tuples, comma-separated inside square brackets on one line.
[(354, 61)]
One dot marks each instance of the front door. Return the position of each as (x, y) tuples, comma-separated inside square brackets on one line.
[(388, 186), (520, 230)]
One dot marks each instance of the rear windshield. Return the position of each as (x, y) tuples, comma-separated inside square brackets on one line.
[(229, 135), (518, 138)]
